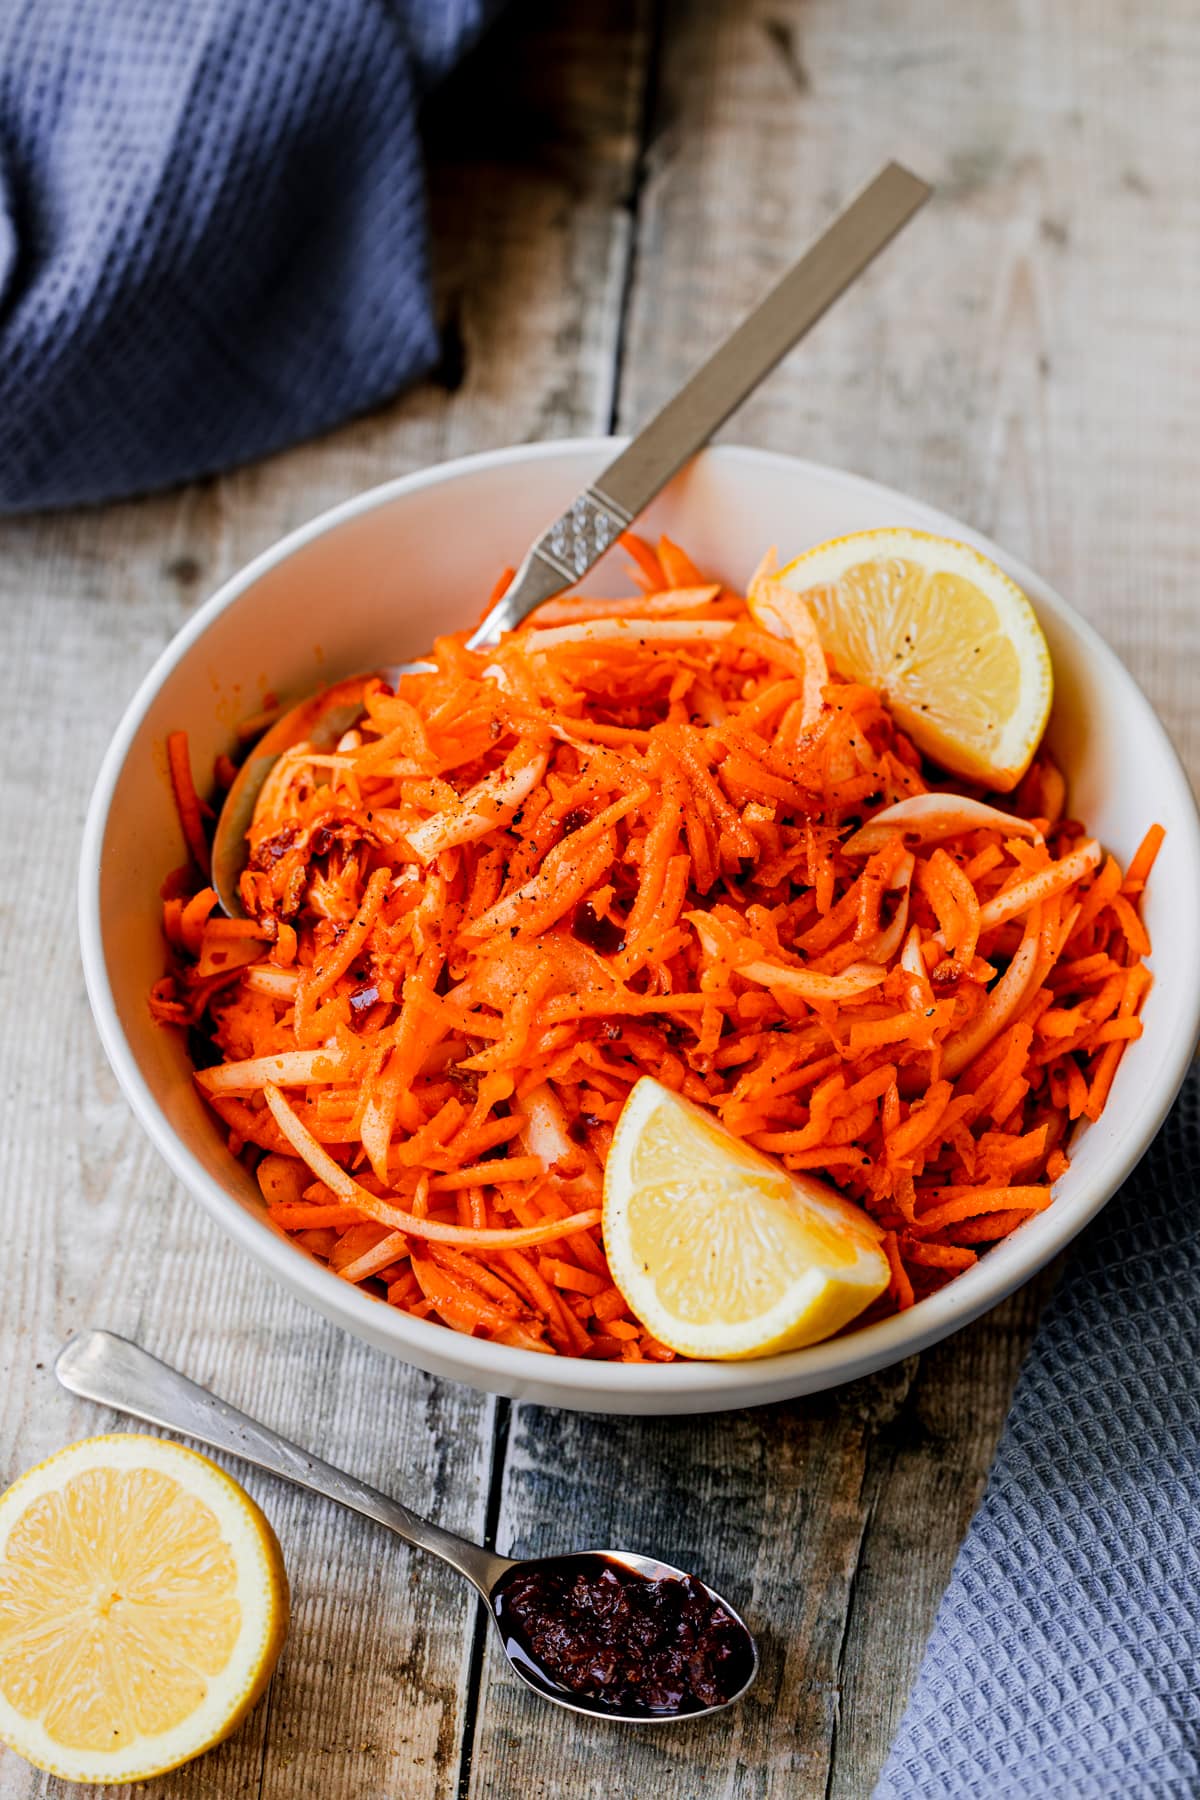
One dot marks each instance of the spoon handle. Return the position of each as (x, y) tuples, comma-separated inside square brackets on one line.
[(567, 549), (101, 1366)]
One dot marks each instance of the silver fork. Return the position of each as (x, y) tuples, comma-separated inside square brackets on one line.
[(578, 538)]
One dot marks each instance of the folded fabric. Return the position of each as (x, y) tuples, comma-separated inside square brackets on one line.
[(212, 229), (1065, 1659)]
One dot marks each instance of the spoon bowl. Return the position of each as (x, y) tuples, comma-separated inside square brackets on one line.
[(734, 1646), (319, 719)]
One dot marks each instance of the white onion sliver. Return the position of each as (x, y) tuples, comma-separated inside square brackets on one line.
[(462, 824), (638, 631), (999, 1009), (811, 985), (926, 818), (545, 1132)]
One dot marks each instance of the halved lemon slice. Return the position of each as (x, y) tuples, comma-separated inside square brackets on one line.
[(949, 640), (143, 1606), (718, 1250)]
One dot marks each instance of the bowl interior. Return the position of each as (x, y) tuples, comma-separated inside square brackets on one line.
[(375, 581)]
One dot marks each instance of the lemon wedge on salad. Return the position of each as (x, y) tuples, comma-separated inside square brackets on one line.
[(718, 1250), (951, 643), (143, 1606)]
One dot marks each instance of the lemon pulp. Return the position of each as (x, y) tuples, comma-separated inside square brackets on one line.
[(143, 1605), (718, 1249), (951, 643)]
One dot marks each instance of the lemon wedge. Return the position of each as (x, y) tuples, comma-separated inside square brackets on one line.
[(143, 1606), (949, 640), (718, 1250)]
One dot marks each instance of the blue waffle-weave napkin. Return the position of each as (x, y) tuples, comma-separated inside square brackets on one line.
[(1065, 1659), (212, 229)]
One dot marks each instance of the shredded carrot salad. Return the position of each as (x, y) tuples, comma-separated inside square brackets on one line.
[(641, 837)]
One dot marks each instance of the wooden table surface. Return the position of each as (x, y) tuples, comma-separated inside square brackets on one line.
[(614, 182)]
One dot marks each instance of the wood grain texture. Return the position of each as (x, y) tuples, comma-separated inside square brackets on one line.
[(832, 1522), (370, 1695), (1028, 358), (1007, 361)]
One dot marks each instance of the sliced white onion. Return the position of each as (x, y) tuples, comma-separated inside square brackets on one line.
[(1043, 884), (289, 1068), (808, 985), (505, 788), (265, 978), (787, 615), (889, 940), (928, 818), (634, 631), (1000, 1008), (579, 609), (912, 961), (545, 1132)]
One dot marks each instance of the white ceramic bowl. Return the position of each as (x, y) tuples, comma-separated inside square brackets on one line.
[(372, 581)]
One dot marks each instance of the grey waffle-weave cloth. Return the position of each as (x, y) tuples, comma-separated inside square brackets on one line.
[(1065, 1658)]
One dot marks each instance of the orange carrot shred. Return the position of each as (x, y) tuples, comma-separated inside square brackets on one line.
[(187, 801), (1144, 858)]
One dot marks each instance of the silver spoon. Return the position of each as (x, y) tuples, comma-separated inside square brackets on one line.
[(101, 1366), (567, 549)]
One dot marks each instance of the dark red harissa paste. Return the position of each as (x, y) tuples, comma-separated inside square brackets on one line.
[(594, 1629)]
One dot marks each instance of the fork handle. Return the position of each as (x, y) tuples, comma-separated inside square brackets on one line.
[(566, 550)]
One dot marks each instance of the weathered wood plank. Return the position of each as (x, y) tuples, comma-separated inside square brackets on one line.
[(1013, 361), (832, 1520), (369, 1698), (96, 1233)]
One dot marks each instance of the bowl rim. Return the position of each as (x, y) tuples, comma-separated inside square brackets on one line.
[(479, 1361)]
